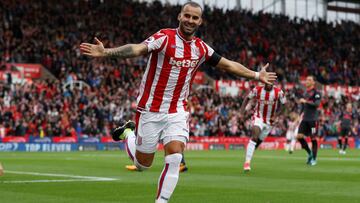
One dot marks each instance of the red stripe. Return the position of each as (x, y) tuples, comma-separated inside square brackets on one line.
[(164, 74), (275, 102), (162, 180), (267, 94), (137, 118), (193, 73), (181, 79), (258, 100), (151, 74)]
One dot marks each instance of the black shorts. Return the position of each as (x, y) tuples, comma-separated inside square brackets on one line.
[(308, 128), (345, 131)]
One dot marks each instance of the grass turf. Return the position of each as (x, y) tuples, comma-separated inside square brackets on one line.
[(213, 176)]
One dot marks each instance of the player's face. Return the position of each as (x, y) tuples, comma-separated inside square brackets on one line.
[(268, 87), (348, 107), (189, 20), (310, 82)]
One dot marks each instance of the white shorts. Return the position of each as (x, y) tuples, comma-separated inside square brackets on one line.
[(154, 128), (264, 128), (292, 134)]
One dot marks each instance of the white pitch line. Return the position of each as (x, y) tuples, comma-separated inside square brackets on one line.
[(298, 158), (58, 175), (52, 181), (76, 178)]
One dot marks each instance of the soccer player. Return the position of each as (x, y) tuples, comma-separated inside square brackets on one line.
[(267, 100), (292, 131), (308, 126), (174, 57), (345, 126)]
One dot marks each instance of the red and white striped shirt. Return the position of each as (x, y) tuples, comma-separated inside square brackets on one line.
[(170, 70), (266, 102)]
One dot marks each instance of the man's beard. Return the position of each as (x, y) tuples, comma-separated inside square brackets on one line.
[(185, 32)]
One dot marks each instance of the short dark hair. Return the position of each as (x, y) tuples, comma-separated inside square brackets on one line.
[(313, 77), (191, 3)]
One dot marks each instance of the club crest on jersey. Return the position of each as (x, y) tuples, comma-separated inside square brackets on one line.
[(185, 63), (150, 39)]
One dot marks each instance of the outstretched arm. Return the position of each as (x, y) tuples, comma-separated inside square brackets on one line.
[(240, 70), (125, 51)]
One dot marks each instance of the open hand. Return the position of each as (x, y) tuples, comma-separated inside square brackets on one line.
[(93, 50), (267, 77)]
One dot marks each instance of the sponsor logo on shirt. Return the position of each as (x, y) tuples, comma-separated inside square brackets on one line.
[(185, 63)]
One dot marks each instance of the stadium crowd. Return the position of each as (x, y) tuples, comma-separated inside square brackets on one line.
[(49, 32)]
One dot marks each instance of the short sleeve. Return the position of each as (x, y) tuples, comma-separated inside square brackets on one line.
[(209, 51), (155, 41)]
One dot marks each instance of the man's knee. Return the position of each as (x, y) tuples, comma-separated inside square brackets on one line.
[(255, 135), (299, 136), (174, 147), (143, 161)]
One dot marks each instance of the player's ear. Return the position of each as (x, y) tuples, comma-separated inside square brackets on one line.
[(179, 16), (200, 22)]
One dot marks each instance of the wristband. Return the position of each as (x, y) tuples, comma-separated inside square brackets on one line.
[(257, 76)]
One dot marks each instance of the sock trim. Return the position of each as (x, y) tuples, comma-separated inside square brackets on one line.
[(162, 180)]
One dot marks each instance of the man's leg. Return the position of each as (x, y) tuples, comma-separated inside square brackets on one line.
[(251, 147), (142, 161), (292, 145), (314, 146), (340, 143), (346, 143), (170, 174), (305, 146)]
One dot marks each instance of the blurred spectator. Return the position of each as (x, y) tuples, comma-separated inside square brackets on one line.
[(49, 32)]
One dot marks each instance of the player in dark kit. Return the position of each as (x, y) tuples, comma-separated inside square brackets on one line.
[(345, 126), (308, 126)]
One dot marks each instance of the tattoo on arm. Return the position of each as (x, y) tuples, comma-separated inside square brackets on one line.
[(125, 51)]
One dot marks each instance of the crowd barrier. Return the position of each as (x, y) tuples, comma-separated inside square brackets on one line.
[(67, 144)]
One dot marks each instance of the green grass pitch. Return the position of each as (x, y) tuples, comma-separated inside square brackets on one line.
[(213, 176)]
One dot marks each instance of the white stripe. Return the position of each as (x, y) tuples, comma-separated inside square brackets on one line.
[(179, 50), (271, 98), (143, 80), (56, 175), (159, 64), (173, 77), (52, 181), (262, 98), (186, 89)]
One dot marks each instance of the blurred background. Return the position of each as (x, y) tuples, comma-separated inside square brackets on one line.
[(52, 94)]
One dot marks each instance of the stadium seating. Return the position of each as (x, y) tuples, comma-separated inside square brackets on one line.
[(40, 32)]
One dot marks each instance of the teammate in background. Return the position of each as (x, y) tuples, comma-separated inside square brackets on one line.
[(345, 125), (292, 131), (174, 57), (308, 126), (267, 101), (183, 167)]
